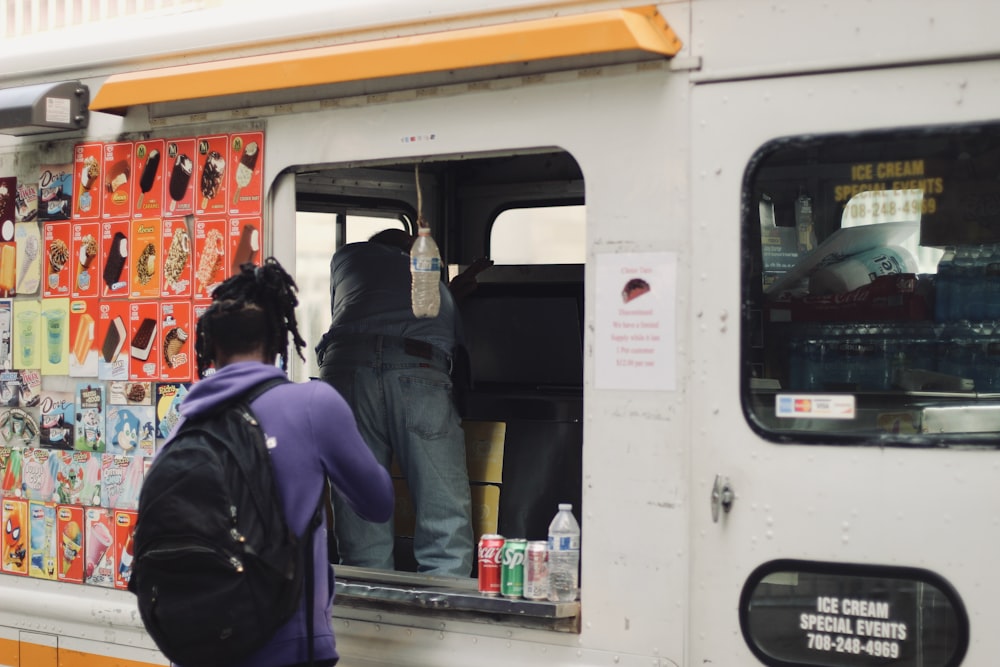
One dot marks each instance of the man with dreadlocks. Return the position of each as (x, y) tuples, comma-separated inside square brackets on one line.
[(240, 336)]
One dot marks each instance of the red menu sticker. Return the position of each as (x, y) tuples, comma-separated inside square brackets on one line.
[(146, 258), (56, 238), (83, 317), (176, 341), (144, 328), (212, 163), (210, 253), (88, 171), (117, 186), (178, 172), (244, 243), (113, 340), (246, 173), (69, 532), (147, 186), (114, 257), (124, 531), (177, 265), (84, 260)]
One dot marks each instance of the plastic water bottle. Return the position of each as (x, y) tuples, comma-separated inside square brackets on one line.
[(425, 273), (564, 555)]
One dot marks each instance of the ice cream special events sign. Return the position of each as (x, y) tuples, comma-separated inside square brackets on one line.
[(636, 321), (854, 627)]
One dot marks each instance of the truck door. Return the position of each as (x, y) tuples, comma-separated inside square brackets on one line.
[(846, 429)]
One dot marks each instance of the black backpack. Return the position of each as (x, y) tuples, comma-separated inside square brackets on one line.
[(216, 568)]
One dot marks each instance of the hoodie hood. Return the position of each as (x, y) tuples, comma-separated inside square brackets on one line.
[(225, 384)]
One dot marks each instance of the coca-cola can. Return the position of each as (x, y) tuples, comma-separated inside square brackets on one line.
[(536, 570), (512, 568), (490, 547)]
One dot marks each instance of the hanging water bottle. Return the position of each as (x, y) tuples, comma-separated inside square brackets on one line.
[(425, 265), (425, 273), (564, 555)]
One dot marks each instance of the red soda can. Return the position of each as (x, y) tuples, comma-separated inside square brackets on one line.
[(536, 570), (490, 547)]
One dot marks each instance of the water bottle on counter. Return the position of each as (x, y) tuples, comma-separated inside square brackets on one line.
[(425, 272), (564, 555)]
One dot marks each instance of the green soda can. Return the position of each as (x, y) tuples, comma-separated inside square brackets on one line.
[(512, 568)]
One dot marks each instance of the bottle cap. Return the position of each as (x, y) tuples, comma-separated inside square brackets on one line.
[(565, 506)]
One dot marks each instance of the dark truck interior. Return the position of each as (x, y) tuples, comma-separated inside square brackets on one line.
[(523, 325)]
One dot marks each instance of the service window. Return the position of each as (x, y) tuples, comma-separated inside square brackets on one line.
[(872, 287), (539, 235)]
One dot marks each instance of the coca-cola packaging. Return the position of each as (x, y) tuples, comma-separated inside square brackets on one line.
[(490, 548)]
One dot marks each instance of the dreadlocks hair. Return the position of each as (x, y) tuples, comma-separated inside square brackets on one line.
[(252, 308)]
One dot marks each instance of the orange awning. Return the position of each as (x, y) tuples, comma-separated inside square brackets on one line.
[(619, 35)]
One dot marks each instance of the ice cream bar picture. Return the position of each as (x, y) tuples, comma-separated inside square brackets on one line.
[(114, 340), (142, 342), (8, 256), (148, 175), (211, 176), (116, 260), (247, 248), (244, 171), (118, 175), (180, 178)]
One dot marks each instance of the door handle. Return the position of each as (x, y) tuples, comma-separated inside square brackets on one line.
[(722, 497)]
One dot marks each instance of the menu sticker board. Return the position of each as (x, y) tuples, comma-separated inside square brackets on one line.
[(177, 266), (57, 238), (115, 258), (210, 256), (55, 192), (246, 173), (117, 176), (144, 350), (147, 187), (84, 247), (83, 318), (113, 336), (179, 174), (146, 251), (244, 243), (88, 168), (212, 180), (636, 321)]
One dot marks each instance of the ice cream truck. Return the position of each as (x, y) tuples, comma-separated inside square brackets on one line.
[(743, 313)]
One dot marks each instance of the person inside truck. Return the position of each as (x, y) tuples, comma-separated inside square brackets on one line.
[(393, 369)]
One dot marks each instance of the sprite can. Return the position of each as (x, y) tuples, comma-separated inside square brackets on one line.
[(512, 568)]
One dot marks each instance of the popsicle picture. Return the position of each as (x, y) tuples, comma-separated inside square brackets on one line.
[(148, 176), (211, 176), (180, 177), (244, 172)]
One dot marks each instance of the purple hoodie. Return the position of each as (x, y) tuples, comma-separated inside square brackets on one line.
[(316, 435)]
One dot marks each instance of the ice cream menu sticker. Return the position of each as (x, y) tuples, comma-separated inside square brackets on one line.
[(636, 321)]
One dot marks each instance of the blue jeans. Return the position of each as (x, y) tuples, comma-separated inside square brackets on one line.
[(400, 391)]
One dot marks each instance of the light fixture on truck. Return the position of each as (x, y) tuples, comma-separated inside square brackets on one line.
[(46, 107)]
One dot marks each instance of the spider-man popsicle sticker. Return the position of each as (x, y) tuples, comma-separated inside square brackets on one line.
[(634, 289)]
